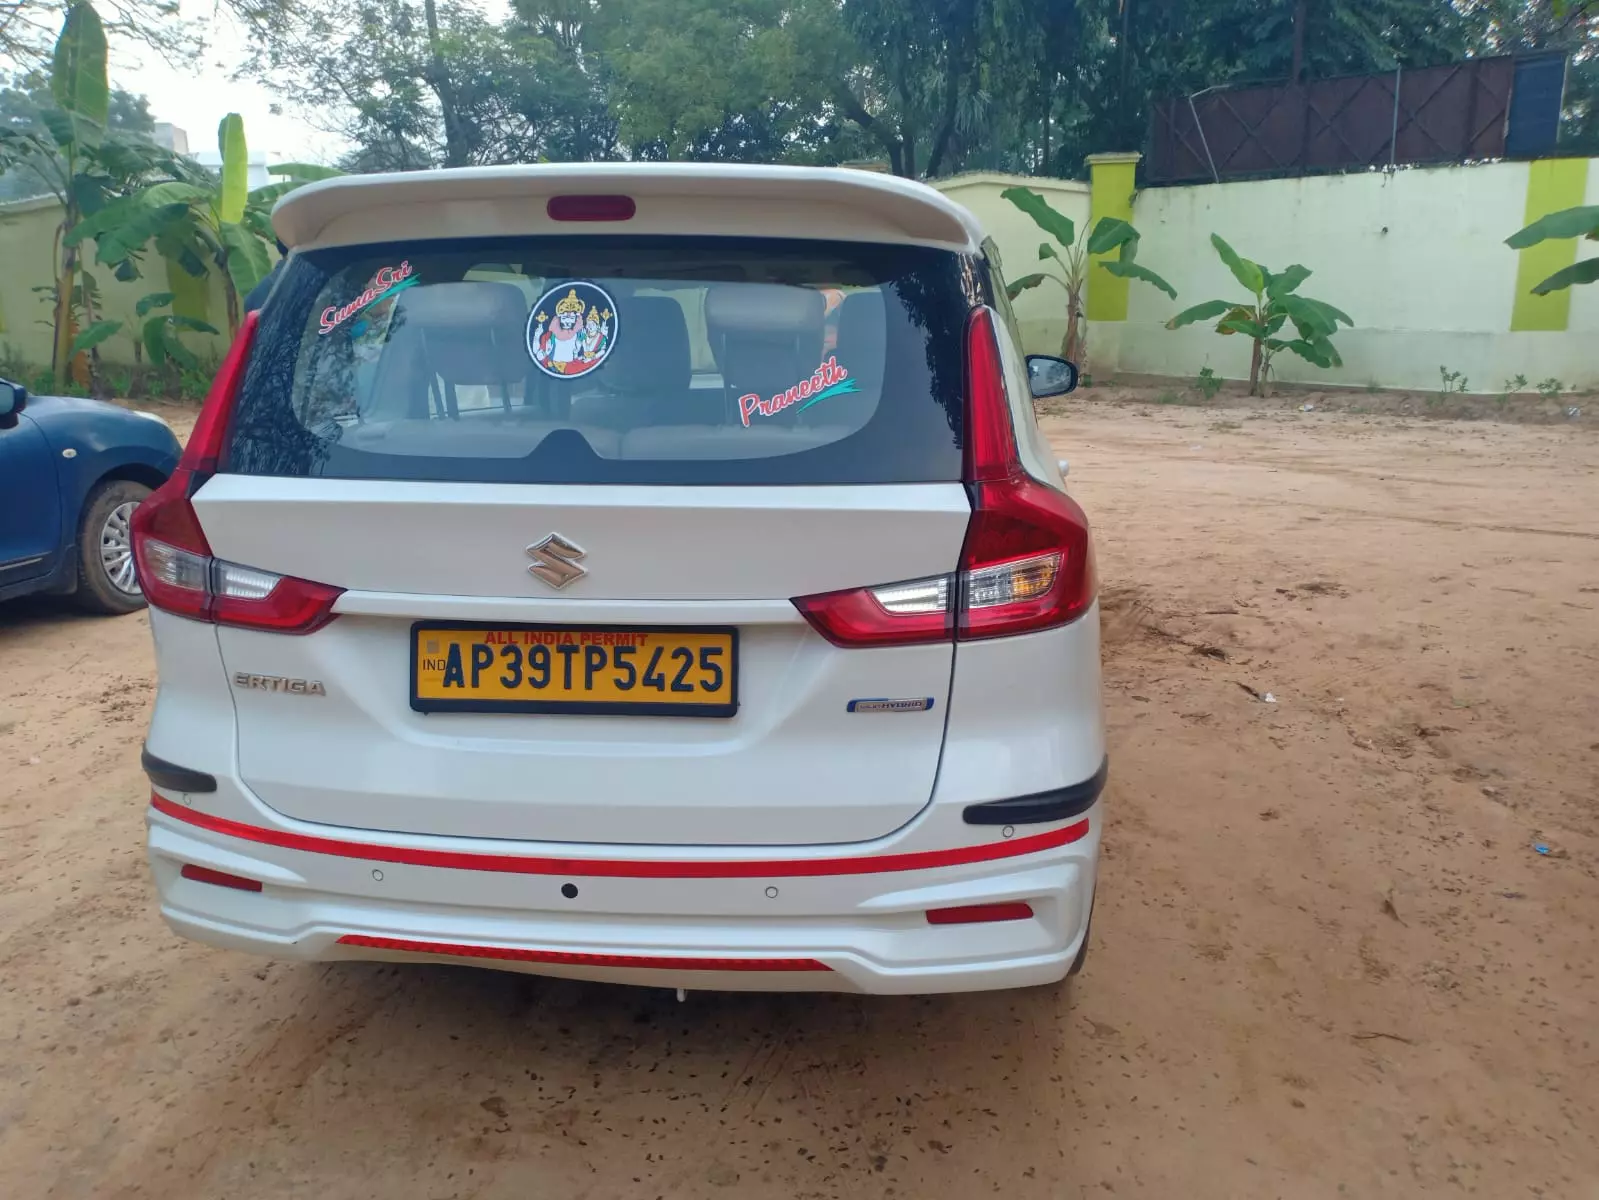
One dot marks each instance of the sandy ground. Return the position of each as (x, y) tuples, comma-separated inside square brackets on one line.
[(1327, 960)]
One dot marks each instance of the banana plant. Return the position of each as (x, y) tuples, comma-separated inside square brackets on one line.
[(1567, 223), (159, 334), (67, 158), (1072, 256), (213, 224), (1274, 304)]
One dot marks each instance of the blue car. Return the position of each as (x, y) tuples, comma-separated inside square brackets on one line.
[(71, 474)]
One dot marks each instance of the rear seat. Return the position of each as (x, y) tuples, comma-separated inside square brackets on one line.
[(465, 333)]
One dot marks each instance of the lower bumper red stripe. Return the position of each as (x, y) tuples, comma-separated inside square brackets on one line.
[(567, 958), (626, 868)]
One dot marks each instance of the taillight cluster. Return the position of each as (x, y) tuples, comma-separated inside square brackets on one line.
[(1027, 562), (177, 570)]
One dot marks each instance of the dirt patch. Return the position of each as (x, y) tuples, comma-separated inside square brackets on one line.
[(1233, 405), (1329, 959)]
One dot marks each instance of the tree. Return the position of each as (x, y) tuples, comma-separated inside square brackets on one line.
[(743, 81), (83, 165), (563, 92), (1274, 304), (27, 26), (1520, 26), (1154, 49), (204, 224), (919, 87), (435, 83), (22, 107), (929, 86), (910, 81)]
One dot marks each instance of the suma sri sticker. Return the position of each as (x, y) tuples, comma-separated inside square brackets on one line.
[(379, 293), (571, 330)]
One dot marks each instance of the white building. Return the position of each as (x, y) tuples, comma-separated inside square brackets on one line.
[(176, 139)]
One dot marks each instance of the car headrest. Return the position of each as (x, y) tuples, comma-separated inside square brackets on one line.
[(862, 334), (471, 332), (652, 349), (763, 308), (765, 336)]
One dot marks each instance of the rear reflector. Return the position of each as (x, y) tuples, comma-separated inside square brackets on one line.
[(569, 958), (220, 878), (590, 208), (1027, 562), (976, 914)]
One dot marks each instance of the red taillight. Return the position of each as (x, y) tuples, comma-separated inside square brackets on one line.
[(897, 615), (176, 568), (1027, 562), (990, 452), (219, 878), (204, 448), (590, 208), (254, 599), (974, 914)]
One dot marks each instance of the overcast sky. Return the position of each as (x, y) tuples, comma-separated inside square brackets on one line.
[(196, 98)]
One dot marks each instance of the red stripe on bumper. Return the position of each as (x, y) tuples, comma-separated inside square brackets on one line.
[(626, 868), (566, 958)]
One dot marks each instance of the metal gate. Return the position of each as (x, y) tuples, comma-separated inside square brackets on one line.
[(1430, 115)]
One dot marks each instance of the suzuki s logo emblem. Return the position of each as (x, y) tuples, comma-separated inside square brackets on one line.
[(555, 561)]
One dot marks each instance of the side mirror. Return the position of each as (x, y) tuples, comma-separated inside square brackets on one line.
[(1050, 376), (13, 398)]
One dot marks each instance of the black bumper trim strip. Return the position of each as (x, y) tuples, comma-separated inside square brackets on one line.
[(173, 777), (1062, 804)]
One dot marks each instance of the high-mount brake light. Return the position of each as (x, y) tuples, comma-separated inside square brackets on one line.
[(590, 208)]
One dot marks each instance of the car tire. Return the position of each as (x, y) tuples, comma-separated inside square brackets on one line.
[(106, 581)]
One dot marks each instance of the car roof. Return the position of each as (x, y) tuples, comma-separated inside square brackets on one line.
[(835, 203)]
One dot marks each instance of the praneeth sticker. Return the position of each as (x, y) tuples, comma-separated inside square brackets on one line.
[(826, 381), (572, 329)]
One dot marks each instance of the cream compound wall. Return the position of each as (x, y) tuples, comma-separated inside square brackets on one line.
[(27, 239), (1041, 311), (1416, 257)]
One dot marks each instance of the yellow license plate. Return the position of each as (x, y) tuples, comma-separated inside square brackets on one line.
[(596, 669)]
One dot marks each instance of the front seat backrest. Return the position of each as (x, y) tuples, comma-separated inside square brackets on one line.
[(467, 333), (766, 336)]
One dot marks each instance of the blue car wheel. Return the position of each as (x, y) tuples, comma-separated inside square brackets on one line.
[(107, 582)]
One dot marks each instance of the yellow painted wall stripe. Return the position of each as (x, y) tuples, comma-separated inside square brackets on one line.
[(1552, 184), (1112, 182)]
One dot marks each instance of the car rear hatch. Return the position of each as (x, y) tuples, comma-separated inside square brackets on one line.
[(569, 487)]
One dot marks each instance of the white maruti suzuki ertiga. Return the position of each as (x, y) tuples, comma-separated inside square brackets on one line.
[(644, 573)]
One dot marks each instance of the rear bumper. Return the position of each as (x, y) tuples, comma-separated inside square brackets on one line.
[(852, 923)]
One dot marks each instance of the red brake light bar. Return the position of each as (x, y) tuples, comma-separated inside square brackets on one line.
[(590, 208)]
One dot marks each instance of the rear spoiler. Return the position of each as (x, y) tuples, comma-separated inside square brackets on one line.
[(831, 203)]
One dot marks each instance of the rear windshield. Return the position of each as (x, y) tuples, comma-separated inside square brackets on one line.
[(610, 360)]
